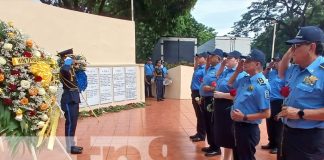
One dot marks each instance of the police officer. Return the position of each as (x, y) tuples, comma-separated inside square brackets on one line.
[(206, 91), (274, 126), (223, 124), (165, 75), (303, 109), (197, 78), (158, 77), (70, 101), (148, 69), (252, 103)]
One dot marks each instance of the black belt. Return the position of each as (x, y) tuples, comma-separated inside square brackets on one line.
[(244, 124), (303, 129), (71, 89)]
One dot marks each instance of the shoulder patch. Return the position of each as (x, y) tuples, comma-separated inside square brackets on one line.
[(322, 65), (261, 81), (267, 94)]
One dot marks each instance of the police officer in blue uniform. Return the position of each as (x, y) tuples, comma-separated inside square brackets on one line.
[(274, 126), (223, 124), (148, 69), (197, 78), (165, 75), (206, 91), (303, 109), (158, 77), (251, 104), (70, 101)]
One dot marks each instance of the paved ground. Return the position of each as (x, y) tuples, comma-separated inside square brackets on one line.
[(159, 131)]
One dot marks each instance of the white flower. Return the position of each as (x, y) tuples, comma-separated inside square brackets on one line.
[(37, 54), (197, 99), (7, 46), (19, 117), (2, 60), (41, 91), (44, 117), (25, 84), (40, 124), (52, 89)]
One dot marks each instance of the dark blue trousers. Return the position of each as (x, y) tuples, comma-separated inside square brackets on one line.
[(70, 106), (303, 144), (201, 124), (159, 87), (247, 136), (208, 123)]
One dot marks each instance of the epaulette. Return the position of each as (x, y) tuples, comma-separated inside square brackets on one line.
[(322, 65), (261, 81)]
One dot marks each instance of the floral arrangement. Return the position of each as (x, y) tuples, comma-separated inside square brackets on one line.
[(28, 80)]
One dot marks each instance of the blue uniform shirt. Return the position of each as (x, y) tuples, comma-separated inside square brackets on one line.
[(209, 77), (253, 95), (149, 69), (165, 71), (276, 84), (222, 85), (306, 91), (197, 77)]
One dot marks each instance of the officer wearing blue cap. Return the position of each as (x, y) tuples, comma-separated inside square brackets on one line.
[(197, 78), (158, 77), (252, 103), (222, 103), (70, 103), (274, 126), (206, 91), (148, 69), (303, 109)]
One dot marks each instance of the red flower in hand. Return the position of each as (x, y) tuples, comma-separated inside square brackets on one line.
[(12, 87), (7, 101), (233, 92), (285, 91), (213, 84), (27, 54), (38, 79)]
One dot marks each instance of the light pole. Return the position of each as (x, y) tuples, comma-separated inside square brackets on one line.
[(274, 37), (132, 5)]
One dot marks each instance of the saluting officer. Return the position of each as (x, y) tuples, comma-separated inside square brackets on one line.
[(158, 77), (70, 101), (274, 126), (223, 124), (206, 91), (303, 109), (251, 104), (197, 78)]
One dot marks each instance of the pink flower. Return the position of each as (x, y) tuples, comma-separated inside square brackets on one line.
[(213, 84)]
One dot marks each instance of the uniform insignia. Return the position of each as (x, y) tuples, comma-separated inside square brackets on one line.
[(267, 94), (322, 65), (261, 81), (251, 88), (310, 80)]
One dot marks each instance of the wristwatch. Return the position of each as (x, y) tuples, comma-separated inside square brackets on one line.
[(301, 113), (245, 118)]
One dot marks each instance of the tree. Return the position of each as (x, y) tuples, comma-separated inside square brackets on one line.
[(289, 16)]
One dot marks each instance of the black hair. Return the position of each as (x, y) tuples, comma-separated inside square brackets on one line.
[(319, 48)]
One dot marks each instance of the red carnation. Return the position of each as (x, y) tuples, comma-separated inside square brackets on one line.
[(12, 87), (285, 91), (7, 101), (15, 72), (213, 84), (27, 54), (31, 113), (38, 79), (233, 92)]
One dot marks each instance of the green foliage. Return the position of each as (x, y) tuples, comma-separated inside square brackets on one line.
[(289, 16)]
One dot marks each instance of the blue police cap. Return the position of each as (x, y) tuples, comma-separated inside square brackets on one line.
[(256, 55), (217, 52), (203, 54), (65, 53), (307, 34), (235, 54)]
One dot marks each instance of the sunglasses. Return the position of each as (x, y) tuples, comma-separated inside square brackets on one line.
[(295, 46)]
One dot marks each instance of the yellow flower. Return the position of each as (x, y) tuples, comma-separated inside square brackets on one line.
[(19, 112), (10, 23), (11, 35)]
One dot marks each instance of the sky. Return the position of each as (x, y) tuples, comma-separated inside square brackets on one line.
[(220, 14)]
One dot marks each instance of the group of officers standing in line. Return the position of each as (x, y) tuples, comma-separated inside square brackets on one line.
[(155, 73), (232, 95)]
